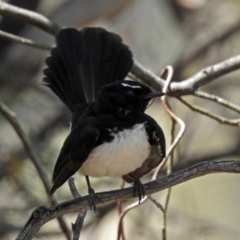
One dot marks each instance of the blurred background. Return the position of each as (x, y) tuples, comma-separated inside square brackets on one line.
[(188, 34)]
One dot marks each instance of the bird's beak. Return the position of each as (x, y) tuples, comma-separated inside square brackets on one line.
[(153, 95)]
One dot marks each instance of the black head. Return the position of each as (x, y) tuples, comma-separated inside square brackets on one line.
[(126, 99)]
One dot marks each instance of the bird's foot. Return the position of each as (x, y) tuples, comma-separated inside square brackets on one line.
[(92, 197), (138, 189)]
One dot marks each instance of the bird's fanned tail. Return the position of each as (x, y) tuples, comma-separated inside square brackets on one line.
[(84, 61)]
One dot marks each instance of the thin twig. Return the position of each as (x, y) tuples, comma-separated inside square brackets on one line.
[(172, 147), (43, 214), (222, 120), (77, 226), (38, 20), (24, 41), (11, 117), (120, 230), (73, 188), (217, 99), (169, 70), (125, 211), (164, 216), (169, 190), (157, 204)]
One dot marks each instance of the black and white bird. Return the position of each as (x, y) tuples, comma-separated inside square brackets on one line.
[(110, 133)]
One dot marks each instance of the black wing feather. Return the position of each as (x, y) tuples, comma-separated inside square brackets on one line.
[(74, 152), (158, 137)]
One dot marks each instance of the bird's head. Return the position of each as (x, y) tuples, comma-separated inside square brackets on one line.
[(127, 99)]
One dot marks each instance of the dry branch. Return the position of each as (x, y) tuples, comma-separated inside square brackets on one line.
[(217, 99), (185, 87), (24, 41), (8, 10), (44, 214), (220, 119), (11, 117), (205, 76), (77, 226)]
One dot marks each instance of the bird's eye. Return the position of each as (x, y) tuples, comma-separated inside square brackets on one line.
[(130, 93)]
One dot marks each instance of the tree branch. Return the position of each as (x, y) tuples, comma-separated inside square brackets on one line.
[(185, 87), (217, 99), (44, 214), (11, 117), (147, 76), (191, 84), (24, 41), (205, 76), (8, 10), (220, 119), (77, 226)]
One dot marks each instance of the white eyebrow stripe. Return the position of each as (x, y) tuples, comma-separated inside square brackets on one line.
[(126, 85)]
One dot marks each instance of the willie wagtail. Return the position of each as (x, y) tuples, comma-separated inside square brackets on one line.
[(110, 133)]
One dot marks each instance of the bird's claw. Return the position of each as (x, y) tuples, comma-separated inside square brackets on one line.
[(138, 189), (92, 197)]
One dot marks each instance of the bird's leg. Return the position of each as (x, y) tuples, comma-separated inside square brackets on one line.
[(138, 188), (92, 195)]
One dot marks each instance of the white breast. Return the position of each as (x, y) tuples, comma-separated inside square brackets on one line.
[(129, 149)]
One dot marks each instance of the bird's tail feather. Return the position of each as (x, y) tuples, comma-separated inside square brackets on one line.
[(84, 61)]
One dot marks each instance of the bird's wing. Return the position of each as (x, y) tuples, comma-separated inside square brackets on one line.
[(157, 153), (156, 136), (76, 148)]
